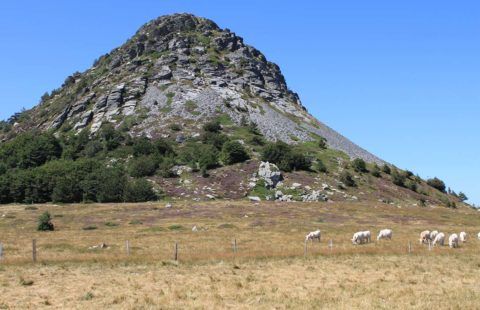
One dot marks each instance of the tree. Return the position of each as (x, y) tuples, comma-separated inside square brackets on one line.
[(45, 222), (386, 169), (437, 184), (142, 147), (359, 165), (347, 179), (144, 166), (462, 196), (285, 157), (233, 152), (139, 190)]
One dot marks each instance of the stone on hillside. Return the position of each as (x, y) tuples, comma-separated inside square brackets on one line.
[(254, 198), (314, 196), (270, 174)]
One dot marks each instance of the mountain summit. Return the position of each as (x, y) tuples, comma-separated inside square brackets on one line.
[(182, 69)]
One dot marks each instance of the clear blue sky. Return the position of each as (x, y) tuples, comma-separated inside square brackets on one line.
[(400, 78)]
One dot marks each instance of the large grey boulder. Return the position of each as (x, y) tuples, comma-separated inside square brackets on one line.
[(270, 174)]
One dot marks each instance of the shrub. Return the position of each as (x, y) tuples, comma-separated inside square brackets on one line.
[(142, 147), (359, 165), (411, 185), (45, 222), (257, 140), (386, 169), (110, 184), (212, 126), (175, 127), (319, 166), (375, 171), (347, 179), (165, 167), (322, 143), (139, 190), (398, 178), (142, 167), (285, 157), (214, 138), (437, 184), (233, 152)]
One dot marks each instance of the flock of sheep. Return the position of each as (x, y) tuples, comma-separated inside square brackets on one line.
[(434, 238)]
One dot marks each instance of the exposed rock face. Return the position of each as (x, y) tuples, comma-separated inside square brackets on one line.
[(185, 67), (270, 174)]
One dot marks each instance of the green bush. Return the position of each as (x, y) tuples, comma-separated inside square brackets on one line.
[(437, 183), (347, 179), (45, 222), (212, 126), (411, 185), (142, 147), (285, 157), (375, 171), (214, 138), (143, 166), (359, 165), (398, 178), (233, 152), (322, 143), (319, 166), (139, 190), (165, 167), (386, 169)]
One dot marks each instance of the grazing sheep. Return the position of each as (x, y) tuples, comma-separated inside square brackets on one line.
[(425, 236), (385, 234), (463, 237), (314, 235), (362, 237), (479, 235), (453, 241), (433, 234), (439, 239)]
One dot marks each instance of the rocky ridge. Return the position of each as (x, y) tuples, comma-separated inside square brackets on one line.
[(182, 69)]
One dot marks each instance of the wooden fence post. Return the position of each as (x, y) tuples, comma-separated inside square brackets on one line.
[(409, 247), (34, 250), (429, 245), (234, 246), (175, 252), (330, 244), (1, 251), (127, 245), (305, 249)]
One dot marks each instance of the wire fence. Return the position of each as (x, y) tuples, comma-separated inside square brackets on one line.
[(190, 250)]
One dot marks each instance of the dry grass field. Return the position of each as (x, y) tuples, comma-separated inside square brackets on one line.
[(268, 271)]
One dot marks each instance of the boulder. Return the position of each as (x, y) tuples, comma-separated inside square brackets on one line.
[(270, 174), (314, 196), (254, 198)]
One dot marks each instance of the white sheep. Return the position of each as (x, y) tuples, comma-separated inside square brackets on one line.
[(453, 241), (433, 234), (463, 237), (425, 236), (439, 239), (313, 235), (385, 234), (361, 237)]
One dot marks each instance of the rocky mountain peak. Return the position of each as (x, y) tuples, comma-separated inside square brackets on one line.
[(184, 70)]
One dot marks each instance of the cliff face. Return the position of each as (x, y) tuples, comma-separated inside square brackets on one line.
[(184, 70)]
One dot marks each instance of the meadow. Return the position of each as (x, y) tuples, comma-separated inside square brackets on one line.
[(268, 270)]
